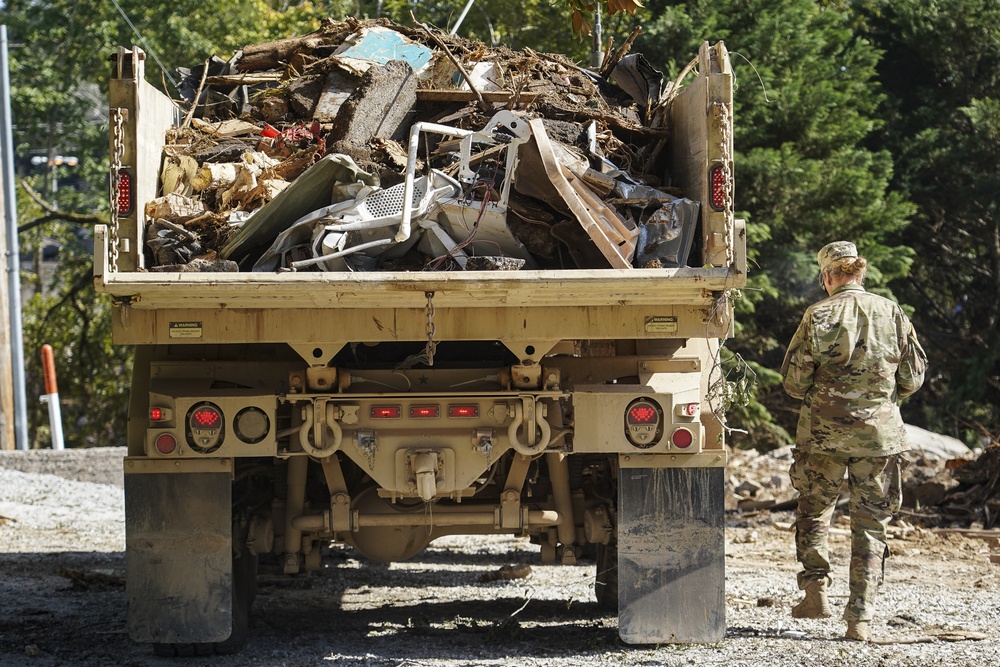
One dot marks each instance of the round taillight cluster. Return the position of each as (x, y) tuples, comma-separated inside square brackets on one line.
[(643, 423), (205, 427)]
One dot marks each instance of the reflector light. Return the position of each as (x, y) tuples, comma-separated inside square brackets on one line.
[(642, 413), (682, 438), (156, 414), (251, 425), (425, 411), (717, 189), (165, 443), (206, 417), (689, 409), (463, 410), (386, 411), (124, 193)]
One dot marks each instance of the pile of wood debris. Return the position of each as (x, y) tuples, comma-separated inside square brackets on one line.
[(945, 484), (367, 145), (962, 491)]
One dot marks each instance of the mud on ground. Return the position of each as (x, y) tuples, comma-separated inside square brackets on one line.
[(62, 598)]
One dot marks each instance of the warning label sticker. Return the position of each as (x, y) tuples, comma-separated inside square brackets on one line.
[(185, 329), (661, 324)]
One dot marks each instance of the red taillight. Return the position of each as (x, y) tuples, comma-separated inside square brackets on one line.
[(125, 189), (156, 414), (165, 443), (642, 413), (206, 417), (463, 410), (386, 411), (717, 187), (643, 423), (682, 438), (425, 412)]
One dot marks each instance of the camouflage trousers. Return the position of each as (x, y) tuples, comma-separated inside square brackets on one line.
[(875, 493)]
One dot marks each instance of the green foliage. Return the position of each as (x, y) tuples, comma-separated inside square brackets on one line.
[(941, 70), (805, 109)]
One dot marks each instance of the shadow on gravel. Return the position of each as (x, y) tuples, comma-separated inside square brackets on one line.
[(67, 607), (436, 630), (70, 608)]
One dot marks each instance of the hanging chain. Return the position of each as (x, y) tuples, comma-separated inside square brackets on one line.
[(431, 346), (117, 153), (726, 129)]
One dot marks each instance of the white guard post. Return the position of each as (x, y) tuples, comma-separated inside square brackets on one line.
[(52, 396)]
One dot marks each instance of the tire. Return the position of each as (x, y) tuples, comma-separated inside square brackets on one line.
[(606, 581)]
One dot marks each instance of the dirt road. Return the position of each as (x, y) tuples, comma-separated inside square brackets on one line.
[(62, 598)]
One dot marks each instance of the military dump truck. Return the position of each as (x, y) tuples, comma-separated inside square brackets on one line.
[(380, 356)]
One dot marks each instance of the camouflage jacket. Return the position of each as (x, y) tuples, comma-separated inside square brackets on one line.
[(853, 357)]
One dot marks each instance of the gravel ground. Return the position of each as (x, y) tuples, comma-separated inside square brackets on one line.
[(62, 598)]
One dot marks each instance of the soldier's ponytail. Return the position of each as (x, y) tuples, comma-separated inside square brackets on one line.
[(852, 268)]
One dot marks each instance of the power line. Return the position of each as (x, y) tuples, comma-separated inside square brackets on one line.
[(149, 49)]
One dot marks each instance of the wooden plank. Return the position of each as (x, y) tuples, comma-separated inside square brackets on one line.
[(245, 79), (969, 532), (438, 95), (234, 127)]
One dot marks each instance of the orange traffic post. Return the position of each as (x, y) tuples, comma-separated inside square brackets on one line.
[(52, 396)]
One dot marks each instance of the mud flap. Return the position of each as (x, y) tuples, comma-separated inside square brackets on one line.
[(179, 557), (671, 555)]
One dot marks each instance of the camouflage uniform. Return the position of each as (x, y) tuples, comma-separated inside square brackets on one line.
[(853, 357)]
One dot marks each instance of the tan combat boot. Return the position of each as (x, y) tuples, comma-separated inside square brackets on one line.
[(858, 631), (815, 604)]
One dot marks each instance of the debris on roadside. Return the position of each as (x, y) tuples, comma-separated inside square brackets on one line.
[(507, 573), (367, 145), (945, 485), (955, 492), (92, 579)]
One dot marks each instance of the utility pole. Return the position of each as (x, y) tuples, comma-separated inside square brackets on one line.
[(597, 48), (12, 254), (6, 377)]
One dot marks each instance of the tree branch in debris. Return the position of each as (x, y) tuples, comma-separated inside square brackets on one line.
[(465, 75), (197, 96), (609, 64)]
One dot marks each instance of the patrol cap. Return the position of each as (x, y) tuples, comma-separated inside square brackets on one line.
[(831, 252)]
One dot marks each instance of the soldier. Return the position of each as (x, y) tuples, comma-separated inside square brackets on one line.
[(852, 358)]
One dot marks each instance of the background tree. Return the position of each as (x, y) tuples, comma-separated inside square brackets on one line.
[(59, 76), (941, 71)]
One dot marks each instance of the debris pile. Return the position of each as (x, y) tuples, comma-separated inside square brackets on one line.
[(367, 145), (964, 491)]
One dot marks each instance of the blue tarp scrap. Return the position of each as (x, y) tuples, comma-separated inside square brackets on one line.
[(380, 45)]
